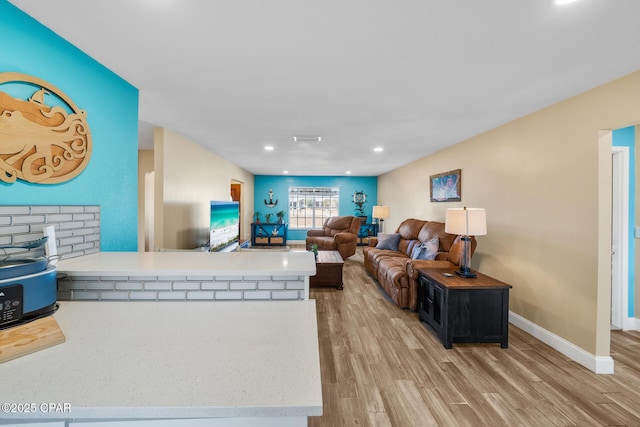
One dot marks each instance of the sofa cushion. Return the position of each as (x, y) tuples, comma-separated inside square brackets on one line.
[(388, 241), (426, 250), (436, 229), (409, 231), (373, 256), (410, 228)]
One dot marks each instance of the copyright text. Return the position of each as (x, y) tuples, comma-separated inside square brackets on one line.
[(25, 408)]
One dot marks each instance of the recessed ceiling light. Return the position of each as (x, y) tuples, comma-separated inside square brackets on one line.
[(285, 172), (378, 149), (268, 147), (563, 2), (307, 138), (348, 172)]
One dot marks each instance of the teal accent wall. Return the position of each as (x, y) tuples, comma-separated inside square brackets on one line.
[(626, 138), (280, 186), (110, 180)]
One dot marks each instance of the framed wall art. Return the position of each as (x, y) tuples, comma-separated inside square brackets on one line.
[(445, 187)]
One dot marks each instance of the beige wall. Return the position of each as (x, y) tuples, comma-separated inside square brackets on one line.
[(544, 182), (187, 178)]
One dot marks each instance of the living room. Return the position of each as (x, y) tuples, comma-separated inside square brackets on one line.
[(525, 180), (544, 180)]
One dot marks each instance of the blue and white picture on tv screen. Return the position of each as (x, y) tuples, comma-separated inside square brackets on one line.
[(225, 226)]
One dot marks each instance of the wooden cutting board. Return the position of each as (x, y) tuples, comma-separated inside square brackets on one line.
[(34, 336)]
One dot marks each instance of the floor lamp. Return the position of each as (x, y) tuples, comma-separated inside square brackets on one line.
[(382, 213), (466, 222)]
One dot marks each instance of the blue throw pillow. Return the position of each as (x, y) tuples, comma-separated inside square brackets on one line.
[(388, 241), (415, 252), (426, 250)]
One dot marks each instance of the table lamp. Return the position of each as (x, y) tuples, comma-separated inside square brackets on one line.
[(382, 213), (466, 222)]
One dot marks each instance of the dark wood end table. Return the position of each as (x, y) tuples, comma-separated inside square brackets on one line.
[(328, 270), (464, 310)]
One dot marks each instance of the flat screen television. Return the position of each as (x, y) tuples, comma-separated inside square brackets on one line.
[(225, 226)]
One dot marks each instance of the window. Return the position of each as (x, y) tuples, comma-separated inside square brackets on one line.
[(310, 206)]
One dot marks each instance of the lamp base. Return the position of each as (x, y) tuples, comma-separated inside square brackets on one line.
[(466, 273)]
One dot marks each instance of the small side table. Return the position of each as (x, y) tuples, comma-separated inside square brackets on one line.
[(328, 270), (464, 310)]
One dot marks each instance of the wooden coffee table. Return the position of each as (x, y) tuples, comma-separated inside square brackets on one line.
[(328, 270)]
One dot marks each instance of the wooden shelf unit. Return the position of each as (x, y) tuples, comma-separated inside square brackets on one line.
[(268, 234)]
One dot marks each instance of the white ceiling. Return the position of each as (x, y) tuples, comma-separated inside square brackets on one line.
[(411, 76)]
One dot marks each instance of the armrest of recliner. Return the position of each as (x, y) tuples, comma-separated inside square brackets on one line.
[(345, 237), (312, 233), (345, 243)]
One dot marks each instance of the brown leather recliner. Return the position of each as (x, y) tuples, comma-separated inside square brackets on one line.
[(338, 233)]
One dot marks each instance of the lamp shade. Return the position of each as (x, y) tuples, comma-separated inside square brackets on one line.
[(466, 221), (381, 212)]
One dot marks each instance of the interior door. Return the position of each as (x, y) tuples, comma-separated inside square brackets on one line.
[(618, 231)]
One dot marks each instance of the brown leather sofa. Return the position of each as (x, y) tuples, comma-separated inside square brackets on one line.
[(397, 272), (338, 233)]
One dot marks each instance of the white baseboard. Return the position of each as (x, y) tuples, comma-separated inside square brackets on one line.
[(631, 324), (597, 364)]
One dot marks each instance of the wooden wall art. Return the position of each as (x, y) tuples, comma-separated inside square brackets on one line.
[(41, 143)]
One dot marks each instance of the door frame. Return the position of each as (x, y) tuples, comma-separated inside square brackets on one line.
[(240, 187), (620, 174)]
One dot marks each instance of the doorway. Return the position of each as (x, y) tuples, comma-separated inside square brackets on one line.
[(619, 236), (236, 196)]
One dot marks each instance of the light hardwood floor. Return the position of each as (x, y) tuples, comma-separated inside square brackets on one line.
[(381, 367)]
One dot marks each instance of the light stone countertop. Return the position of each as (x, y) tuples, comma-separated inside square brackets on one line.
[(190, 263), (140, 360)]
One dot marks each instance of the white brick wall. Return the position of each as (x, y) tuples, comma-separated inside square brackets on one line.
[(181, 288), (78, 233), (77, 227)]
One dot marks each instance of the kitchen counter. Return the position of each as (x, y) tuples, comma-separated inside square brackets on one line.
[(174, 360), (154, 276), (190, 263)]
